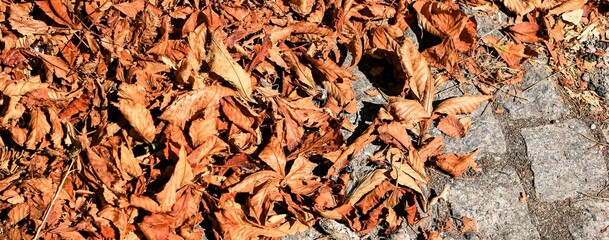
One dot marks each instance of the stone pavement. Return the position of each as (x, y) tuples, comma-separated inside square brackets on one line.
[(544, 169)]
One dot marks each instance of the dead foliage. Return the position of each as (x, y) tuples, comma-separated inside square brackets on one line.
[(189, 119)]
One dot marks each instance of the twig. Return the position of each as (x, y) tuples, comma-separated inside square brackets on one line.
[(593, 197), (593, 140), (46, 214)]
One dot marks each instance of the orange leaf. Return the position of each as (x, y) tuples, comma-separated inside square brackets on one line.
[(221, 63), (145, 203), (128, 162), (186, 105), (39, 126), (18, 212), (520, 7), (420, 82), (132, 104), (455, 164), (407, 111), (451, 126), (182, 175), (57, 11), (525, 32), (130, 8), (461, 105), (469, 225)]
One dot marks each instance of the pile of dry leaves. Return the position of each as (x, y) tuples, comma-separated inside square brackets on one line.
[(183, 119)]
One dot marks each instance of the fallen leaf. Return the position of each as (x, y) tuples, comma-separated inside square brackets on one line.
[(461, 105), (221, 63), (451, 126), (182, 176), (455, 164), (132, 104), (469, 225)]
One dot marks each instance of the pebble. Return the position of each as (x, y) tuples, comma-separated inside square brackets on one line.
[(593, 126)]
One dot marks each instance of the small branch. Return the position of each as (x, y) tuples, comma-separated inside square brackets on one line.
[(46, 213)]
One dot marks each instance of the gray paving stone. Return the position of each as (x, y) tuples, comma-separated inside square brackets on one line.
[(492, 199), (564, 162), (485, 132), (594, 221), (538, 98)]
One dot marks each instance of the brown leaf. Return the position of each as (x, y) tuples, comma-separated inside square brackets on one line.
[(469, 225), (274, 156), (439, 18), (23, 23), (188, 104), (368, 184), (182, 176), (525, 32), (521, 7), (420, 82), (18, 212), (461, 105), (145, 203), (39, 128), (56, 10), (408, 111), (567, 6), (451, 126), (235, 225), (455, 164), (128, 162), (132, 104), (130, 8), (221, 63)]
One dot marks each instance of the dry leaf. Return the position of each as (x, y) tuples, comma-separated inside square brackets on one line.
[(182, 176), (452, 126), (132, 104), (221, 63), (461, 105), (131, 8), (407, 111), (18, 213), (469, 225), (455, 164)]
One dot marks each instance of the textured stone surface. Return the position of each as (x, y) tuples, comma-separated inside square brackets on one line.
[(563, 161), (538, 98), (492, 199), (593, 222), (485, 132)]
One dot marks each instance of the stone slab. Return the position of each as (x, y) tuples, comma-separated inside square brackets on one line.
[(535, 97), (593, 222), (564, 162), (492, 199), (485, 132)]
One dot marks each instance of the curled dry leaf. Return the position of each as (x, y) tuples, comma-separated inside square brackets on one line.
[(461, 105), (128, 162), (457, 164), (420, 82), (132, 104), (452, 126), (182, 175)]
